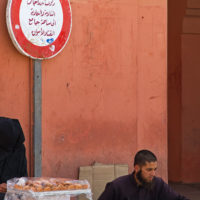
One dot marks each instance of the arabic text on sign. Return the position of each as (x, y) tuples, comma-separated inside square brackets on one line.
[(42, 32), (46, 22), (41, 2), (42, 13)]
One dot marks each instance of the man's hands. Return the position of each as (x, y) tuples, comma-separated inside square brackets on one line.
[(3, 188)]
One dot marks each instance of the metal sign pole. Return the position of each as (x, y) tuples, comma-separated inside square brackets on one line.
[(37, 117)]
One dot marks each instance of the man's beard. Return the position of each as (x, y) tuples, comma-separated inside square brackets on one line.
[(144, 183)]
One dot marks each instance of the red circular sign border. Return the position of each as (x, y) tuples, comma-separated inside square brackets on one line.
[(28, 48)]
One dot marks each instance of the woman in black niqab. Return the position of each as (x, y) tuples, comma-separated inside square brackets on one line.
[(13, 161)]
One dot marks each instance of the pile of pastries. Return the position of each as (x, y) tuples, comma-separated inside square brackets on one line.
[(44, 185)]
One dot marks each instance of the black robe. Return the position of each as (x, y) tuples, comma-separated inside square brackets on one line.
[(13, 161), (126, 188)]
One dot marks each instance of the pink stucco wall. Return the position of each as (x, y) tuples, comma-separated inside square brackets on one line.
[(176, 12), (183, 96), (104, 96), (191, 108)]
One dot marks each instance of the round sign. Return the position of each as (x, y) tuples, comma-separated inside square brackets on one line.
[(39, 28)]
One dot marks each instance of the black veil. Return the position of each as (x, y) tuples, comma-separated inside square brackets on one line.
[(13, 161)]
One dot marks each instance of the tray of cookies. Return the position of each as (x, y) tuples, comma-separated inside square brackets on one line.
[(42, 188)]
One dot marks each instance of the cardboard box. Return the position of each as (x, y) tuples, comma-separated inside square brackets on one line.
[(99, 174)]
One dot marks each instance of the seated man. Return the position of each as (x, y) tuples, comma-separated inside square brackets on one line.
[(142, 184), (12, 152)]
